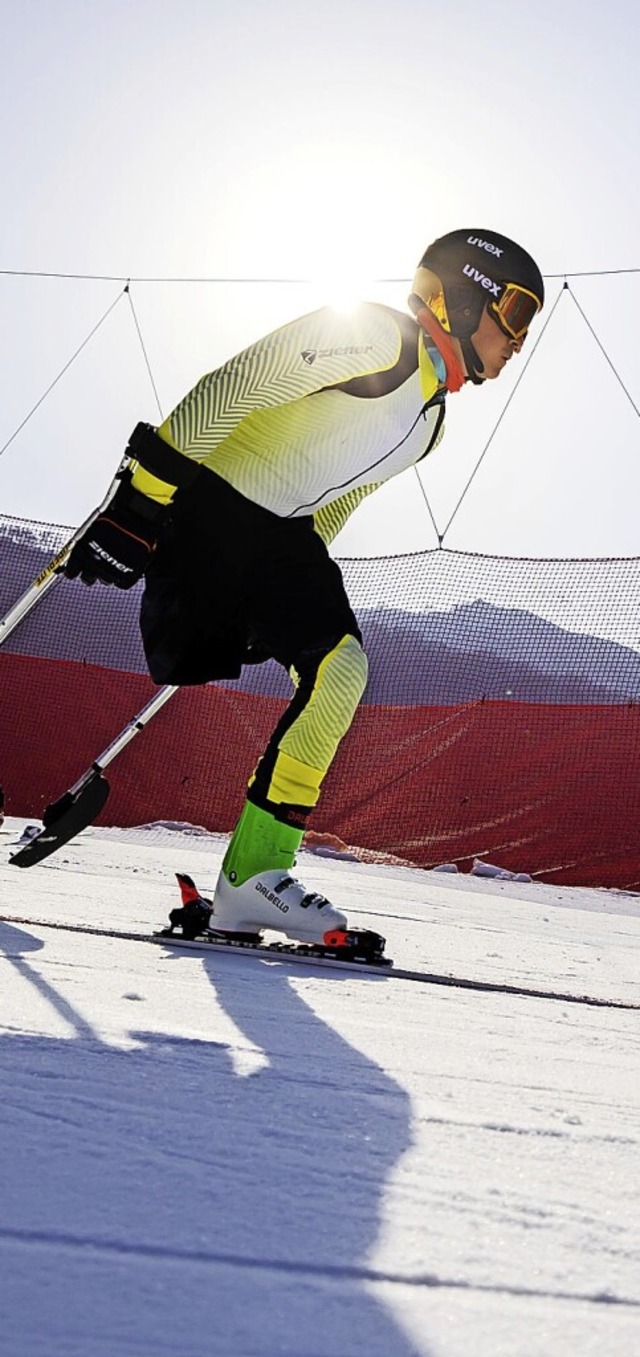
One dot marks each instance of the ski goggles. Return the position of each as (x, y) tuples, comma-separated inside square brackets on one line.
[(515, 310)]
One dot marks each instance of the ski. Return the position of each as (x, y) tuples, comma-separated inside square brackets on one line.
[(278, 952), (253, 945), (357, 947)]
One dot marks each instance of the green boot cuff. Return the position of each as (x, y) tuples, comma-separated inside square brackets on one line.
[(259, 843)]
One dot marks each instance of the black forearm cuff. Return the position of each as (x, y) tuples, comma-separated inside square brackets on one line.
[(127, 501), (150, 450)]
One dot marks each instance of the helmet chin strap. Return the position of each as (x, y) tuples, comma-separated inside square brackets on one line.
[(471, 361)]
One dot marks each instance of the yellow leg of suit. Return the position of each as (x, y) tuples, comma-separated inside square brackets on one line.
[(304, 744), (286, 784)]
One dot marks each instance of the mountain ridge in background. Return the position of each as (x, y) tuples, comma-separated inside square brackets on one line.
[(470, 651)]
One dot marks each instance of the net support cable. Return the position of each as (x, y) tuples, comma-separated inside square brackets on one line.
[(62, 371), (592, 331), (144, 351), (122, 278), (125, 292), (441, 535), (603, 351)]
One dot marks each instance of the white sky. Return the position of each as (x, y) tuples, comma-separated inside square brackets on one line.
[(246, 139)]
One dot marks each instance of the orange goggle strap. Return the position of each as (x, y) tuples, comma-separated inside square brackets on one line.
[(515, 310), (456, 376)]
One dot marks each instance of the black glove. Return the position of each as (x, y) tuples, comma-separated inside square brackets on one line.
[(117, 548)]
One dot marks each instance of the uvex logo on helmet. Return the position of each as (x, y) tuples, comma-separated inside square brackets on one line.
[(485, 245), (481, 278)]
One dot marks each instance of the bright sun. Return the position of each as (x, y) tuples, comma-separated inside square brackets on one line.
[(340, 289)]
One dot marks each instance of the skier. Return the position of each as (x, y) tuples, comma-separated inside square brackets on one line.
[(228, 508)]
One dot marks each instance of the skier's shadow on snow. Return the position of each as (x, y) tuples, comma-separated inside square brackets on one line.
[(193, 1208)]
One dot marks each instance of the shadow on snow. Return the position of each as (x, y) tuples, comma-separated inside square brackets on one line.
[(157, 1202)]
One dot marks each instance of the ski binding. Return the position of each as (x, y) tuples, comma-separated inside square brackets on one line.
[(193, 920)]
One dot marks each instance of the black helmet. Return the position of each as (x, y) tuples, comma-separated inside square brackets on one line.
[(476, 269)]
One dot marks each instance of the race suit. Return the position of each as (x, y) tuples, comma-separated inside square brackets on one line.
[(291, 435)]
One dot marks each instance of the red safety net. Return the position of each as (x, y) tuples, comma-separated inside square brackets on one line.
[(501, 719)]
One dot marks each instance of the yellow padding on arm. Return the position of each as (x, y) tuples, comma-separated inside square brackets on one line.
[(147, 484), (152, 486), (294, 783)]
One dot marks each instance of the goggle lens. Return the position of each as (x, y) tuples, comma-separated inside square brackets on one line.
[(515, 310)]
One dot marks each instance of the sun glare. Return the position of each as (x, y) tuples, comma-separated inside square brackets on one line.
[(342, 291)]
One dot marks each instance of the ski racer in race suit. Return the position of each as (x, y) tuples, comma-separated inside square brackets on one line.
[(228, 508)]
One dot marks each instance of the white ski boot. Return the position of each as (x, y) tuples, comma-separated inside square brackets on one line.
[(275, 900)]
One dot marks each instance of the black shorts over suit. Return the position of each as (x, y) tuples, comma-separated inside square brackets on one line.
[(232, 583)]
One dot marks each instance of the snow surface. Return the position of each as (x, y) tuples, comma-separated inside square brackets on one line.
[(213, 1154)]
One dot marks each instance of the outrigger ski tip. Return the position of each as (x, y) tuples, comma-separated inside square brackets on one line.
[(63, 819), (361, 946)]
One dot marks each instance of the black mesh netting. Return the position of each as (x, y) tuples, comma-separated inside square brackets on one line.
[(500, 720)]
